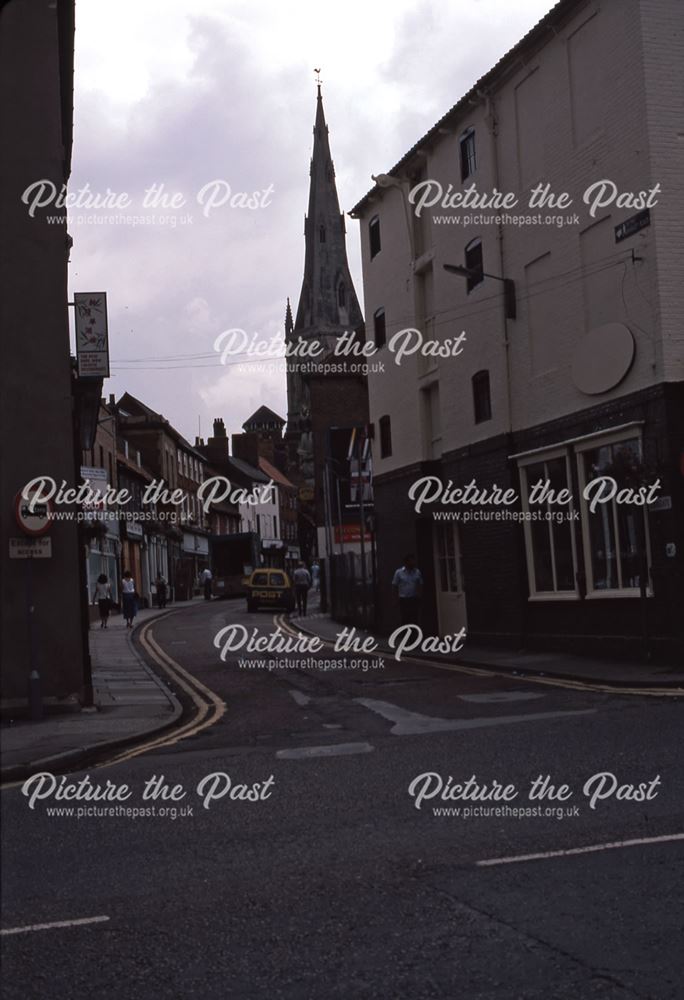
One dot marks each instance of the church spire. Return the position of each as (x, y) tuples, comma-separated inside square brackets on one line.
[(289, 325), (327, 303)]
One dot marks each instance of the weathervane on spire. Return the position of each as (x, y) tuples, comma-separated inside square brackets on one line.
[(318, 76)]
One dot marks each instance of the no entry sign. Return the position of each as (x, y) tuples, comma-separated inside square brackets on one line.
[(33, 523)]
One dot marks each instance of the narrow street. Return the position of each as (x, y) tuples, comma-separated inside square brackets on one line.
[(332, 883)]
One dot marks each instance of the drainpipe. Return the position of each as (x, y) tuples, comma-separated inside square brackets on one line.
[(492, 125)]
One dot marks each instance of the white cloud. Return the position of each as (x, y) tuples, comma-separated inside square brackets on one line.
[(224, 90)]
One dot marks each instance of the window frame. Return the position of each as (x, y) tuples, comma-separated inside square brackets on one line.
[(534, 593), (374, 238), (473, 283), (385, 425), (475, 381), (615, 593), (380, 311), (467, 153)]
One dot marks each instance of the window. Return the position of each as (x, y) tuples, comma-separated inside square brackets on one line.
[(615, 535), (473, 261), (341, 295), (466, 145), (482, 399), (385, 437), (448, 558), (549, 541), (379, 332), (374, 236), (321, 234), (432, 421)]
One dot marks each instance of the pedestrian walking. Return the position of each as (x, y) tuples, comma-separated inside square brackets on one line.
[(103, 598), (302, 582), (407, 585), (162, 589), (316, 575), (129, 598), (205, 580)]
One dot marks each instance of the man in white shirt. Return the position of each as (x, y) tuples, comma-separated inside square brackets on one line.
[(302, 581), (205, 580), (407, 586)]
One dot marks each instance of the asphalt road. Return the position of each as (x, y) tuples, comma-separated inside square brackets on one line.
[(331, 883)]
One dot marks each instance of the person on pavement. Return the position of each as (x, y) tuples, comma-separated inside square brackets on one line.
[(129, 597), (302, 582), (205, 580), (316, 575), (103, 598), (407, 586), (162, 589)]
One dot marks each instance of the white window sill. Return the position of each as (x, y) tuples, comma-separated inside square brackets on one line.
[(602, 595), (560, 595)]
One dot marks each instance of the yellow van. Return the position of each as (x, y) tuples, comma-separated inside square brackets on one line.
[(270, 588)]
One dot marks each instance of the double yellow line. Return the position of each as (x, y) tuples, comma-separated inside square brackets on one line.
[(577, 685), (209, 707)]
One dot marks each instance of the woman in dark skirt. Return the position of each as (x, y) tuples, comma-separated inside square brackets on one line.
[(129, 598)]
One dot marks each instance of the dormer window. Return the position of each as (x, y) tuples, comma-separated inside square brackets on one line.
[(321, 234), (341, 295)]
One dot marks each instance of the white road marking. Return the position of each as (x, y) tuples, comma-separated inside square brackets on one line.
[(336, 750), (57, 923), (412, 723), (496, 696), (300, 698), (611, 846)]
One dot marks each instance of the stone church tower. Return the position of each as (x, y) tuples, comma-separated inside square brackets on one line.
[(328, 305)]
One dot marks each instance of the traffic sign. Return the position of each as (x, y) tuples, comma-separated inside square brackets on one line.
[(30, 548), (36, 522)]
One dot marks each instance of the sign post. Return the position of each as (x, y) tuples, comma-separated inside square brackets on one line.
[(34, 522)]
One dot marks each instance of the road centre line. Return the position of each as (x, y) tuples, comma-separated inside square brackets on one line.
[(82, 921), (334, 750), (590, 849)]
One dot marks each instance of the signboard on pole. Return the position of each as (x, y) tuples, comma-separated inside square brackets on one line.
[(92, 336), (30, 548)]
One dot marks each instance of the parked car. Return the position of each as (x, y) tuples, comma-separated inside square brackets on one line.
[(270, 588)]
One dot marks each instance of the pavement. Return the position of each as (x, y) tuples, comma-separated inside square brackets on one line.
[(595, 671), (131, 702)]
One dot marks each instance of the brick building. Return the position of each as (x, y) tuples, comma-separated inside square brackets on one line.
[(36, 392), (571, 369)]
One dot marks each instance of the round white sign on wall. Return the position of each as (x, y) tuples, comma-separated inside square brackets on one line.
[(602, 358), (36, 522)]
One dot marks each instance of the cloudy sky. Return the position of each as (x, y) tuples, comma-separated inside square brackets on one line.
[(226, 93)]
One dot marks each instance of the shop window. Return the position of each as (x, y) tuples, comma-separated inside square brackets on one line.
[(549, 536), (615, 535)]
